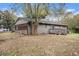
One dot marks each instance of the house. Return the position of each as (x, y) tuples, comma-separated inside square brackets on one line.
[(22, 25)]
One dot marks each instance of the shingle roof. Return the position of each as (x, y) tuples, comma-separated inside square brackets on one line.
[(21, 20), (51, 23)]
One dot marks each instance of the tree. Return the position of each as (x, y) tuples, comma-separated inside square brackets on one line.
[(70, 21), (76, 19), (58, 11), (7, 19), (1, 15), (35, 12)]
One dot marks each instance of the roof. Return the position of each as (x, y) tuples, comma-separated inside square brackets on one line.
[(51, 23), (21, 20)]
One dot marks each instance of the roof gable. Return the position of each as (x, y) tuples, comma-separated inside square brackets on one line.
[(21, 21)]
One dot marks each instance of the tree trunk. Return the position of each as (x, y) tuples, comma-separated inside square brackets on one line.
[(35, 28), (31, 28)]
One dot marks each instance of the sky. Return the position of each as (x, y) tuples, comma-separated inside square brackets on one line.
[(5, 6), (73, 7)]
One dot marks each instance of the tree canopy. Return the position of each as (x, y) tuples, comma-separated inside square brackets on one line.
[(7, 19)]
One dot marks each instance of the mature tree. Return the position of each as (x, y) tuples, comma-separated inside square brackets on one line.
[(35, 12), (76, 17), (70, 21), (58, 10), (7, 19), (1, 14)]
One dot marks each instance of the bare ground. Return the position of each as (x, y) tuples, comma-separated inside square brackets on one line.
[(40, 45)]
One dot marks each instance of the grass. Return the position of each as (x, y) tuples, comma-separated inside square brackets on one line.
[(40, 45)]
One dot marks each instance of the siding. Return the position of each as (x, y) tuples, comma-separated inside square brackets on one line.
[(21, 29), (43, 29), (59, 30)]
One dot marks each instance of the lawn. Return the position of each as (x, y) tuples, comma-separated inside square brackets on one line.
[(40, 45)]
